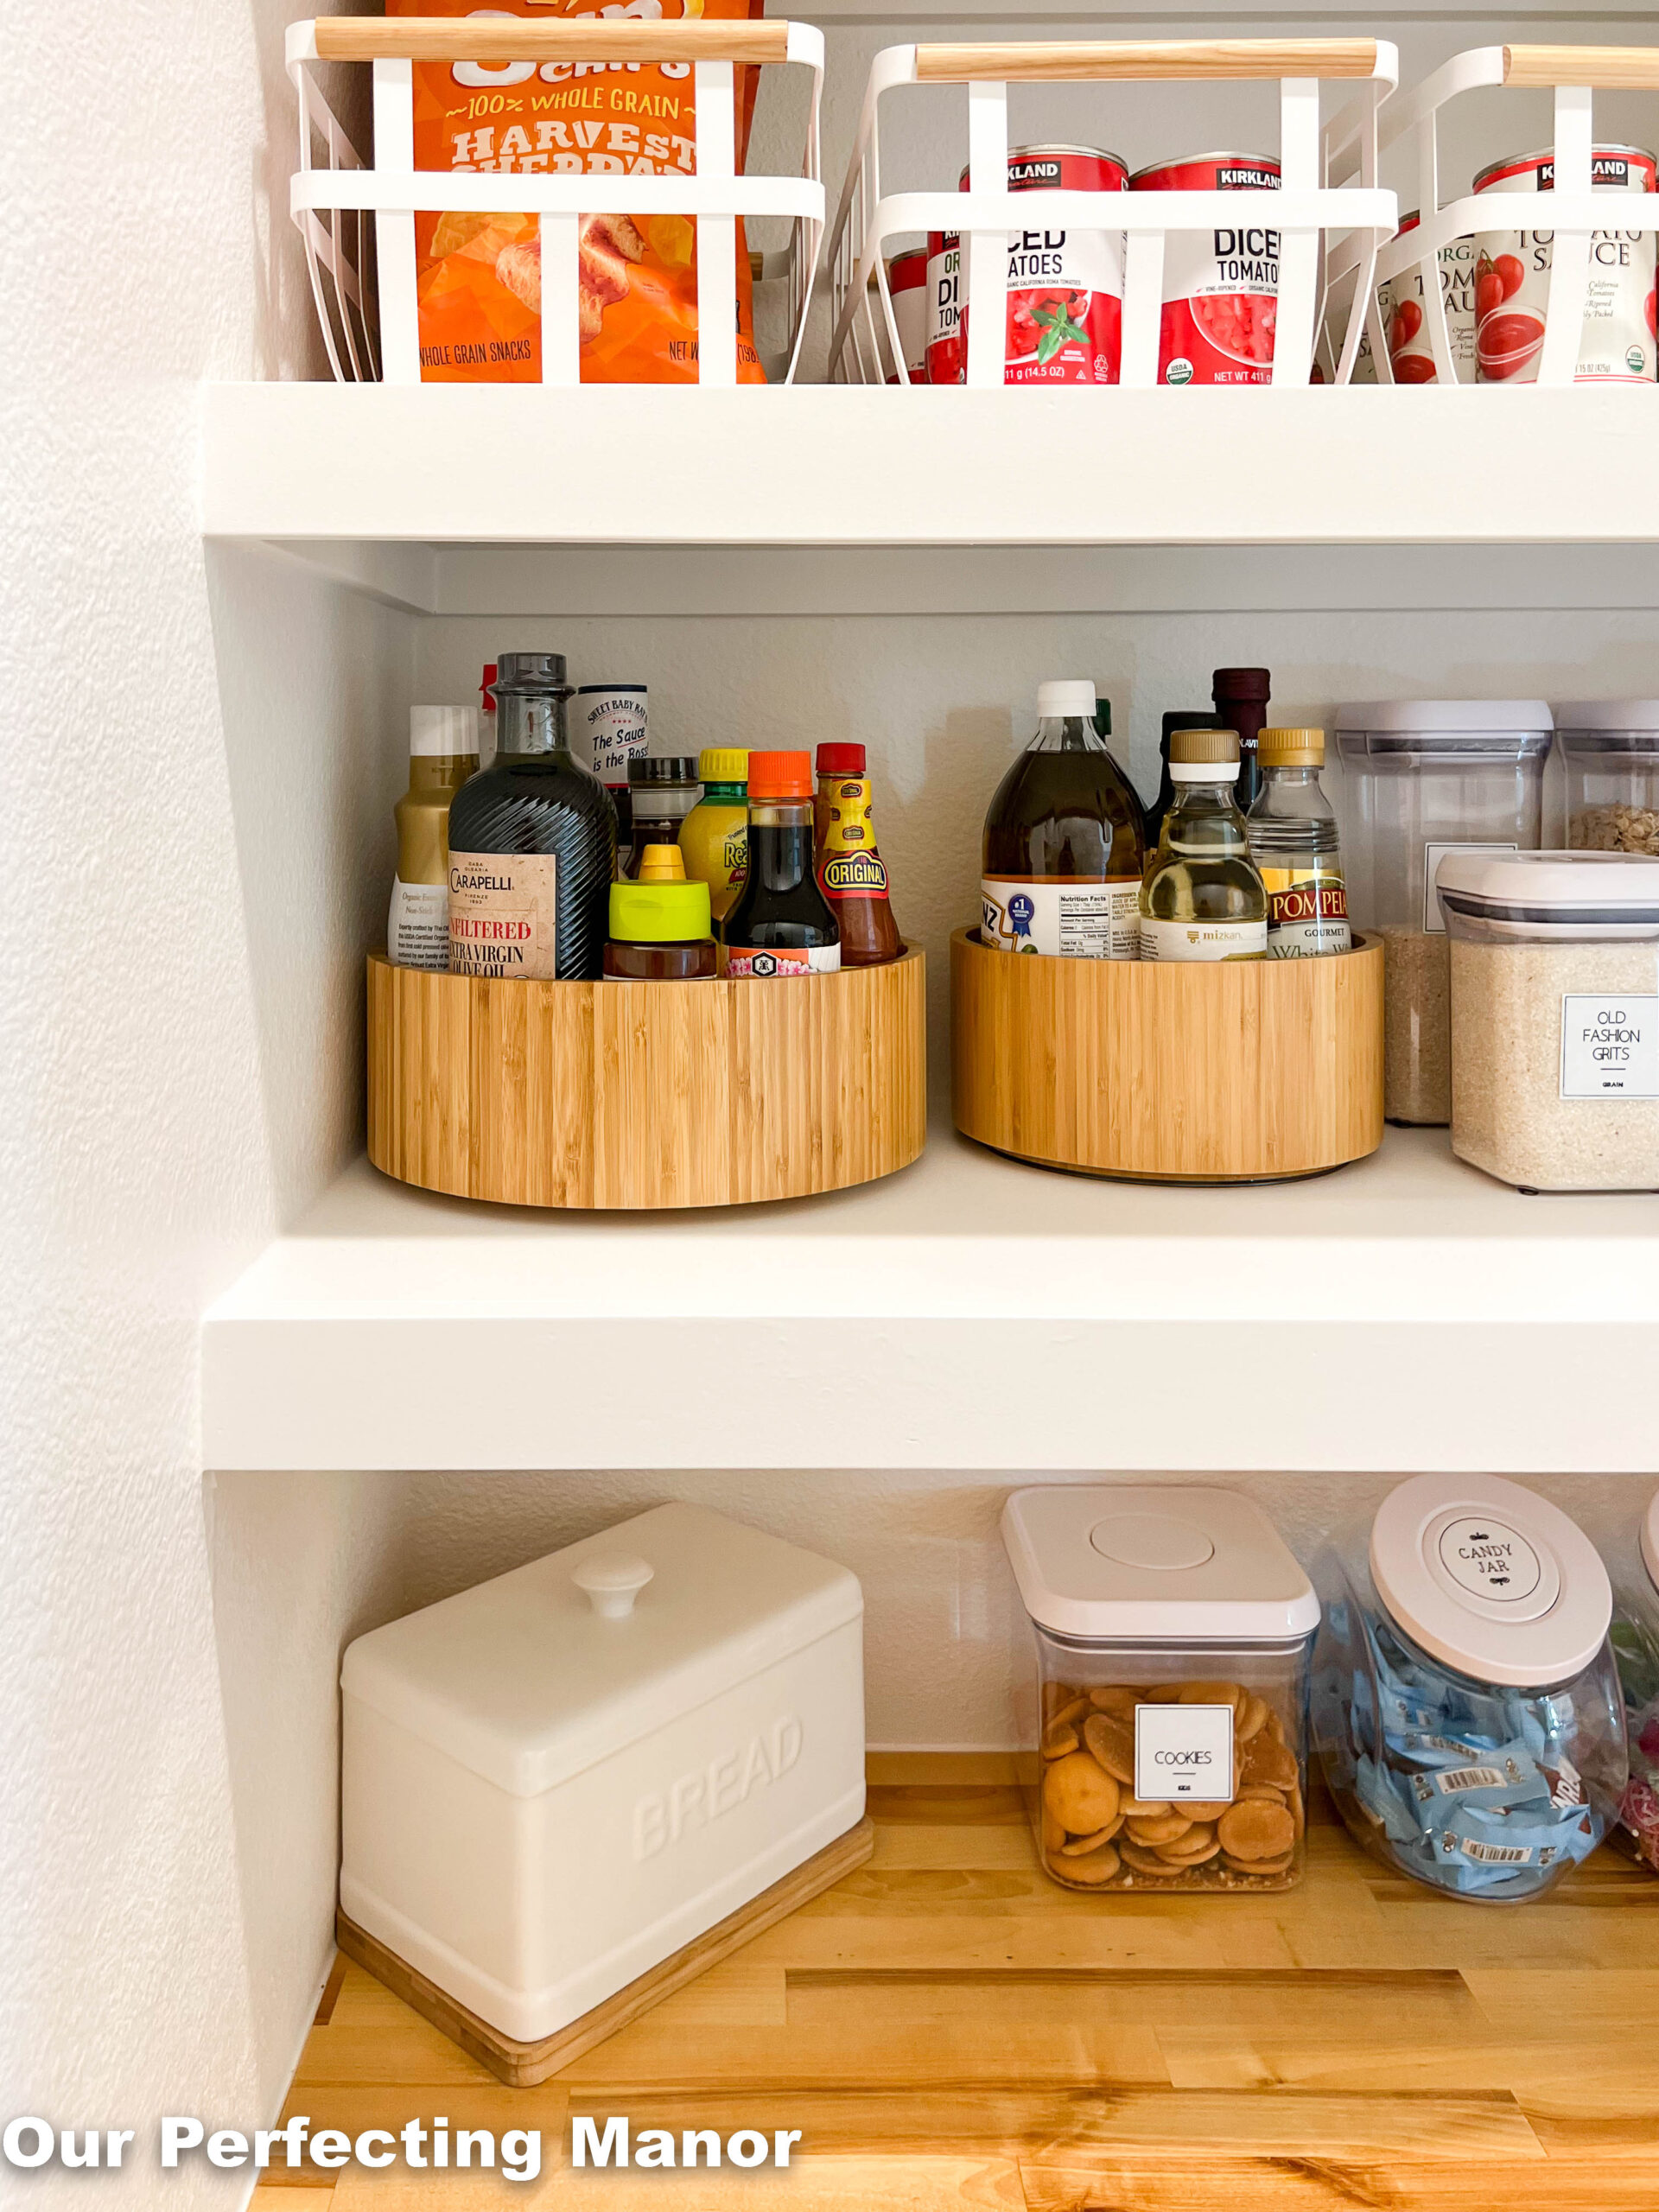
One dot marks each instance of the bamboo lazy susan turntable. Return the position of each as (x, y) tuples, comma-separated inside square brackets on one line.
[(632, 1095), (1236, 1071)]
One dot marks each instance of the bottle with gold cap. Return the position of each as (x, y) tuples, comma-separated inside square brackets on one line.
[(1204, 898), (660, 927), (1292, 833), (714, 835), (442, 755)]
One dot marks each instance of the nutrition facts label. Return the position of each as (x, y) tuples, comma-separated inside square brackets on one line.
[(1085, 921), (1610, 1046)]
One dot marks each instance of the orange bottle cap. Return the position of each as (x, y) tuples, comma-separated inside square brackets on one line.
[(780, 775)]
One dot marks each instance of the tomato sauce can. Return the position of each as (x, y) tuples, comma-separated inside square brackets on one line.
[(1064, 287), (907, 282), (1512, 279), (1405, 321), (1221, 287), (946, 361)]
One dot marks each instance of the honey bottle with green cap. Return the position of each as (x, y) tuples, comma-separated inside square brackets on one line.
[(661, 932)]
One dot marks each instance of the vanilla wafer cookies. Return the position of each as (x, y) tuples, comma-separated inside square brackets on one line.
[(1184, 1785)]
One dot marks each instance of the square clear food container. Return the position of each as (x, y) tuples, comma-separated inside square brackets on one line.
[(1164, 1718), (1423, 777), (1554, 974), (1466, 1704), (1610, 750)]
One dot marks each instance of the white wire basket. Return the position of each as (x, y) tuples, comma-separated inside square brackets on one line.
[(367, 304), (1572, 211), (1329, 196)]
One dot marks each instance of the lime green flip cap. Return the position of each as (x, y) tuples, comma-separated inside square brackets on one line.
[(660, 913)]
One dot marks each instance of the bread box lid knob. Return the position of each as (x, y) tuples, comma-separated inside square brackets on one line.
[(612, 1581)]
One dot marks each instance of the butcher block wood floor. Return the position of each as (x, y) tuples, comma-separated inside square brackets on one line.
[(948, 2029)]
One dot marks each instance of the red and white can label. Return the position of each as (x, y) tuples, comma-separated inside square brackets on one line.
[(1405, 319), (1512, 279), (1221, 287), (1064, 287), (945, 361), (907, 282)]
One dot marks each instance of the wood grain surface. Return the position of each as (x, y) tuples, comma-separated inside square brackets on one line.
[(638, 1095), (951, 2029), (1073, 61), (1225, 1070), (1628, 68), (522, 2065)]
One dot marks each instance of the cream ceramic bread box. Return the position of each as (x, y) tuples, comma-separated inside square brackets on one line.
[(569, 1790)]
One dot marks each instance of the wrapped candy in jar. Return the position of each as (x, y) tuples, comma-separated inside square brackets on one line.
[(1164, 1719), (1633, 1560), (1466, 1708)]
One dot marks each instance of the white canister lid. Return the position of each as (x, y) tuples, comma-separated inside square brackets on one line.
[(1633, 714), (1453, 717), (1490, 1579), (1552, 895), (446, 730), (540, 1674), (1060, 695), (1651, 1540), (1154, 1563)]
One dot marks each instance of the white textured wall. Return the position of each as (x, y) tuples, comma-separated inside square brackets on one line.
[(200, 754)]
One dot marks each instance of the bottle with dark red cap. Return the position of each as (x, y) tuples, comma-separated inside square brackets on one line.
[(781, 924), (851, 874), (1240, 695)]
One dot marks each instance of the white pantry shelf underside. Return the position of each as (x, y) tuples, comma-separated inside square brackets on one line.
[(1407, 1314)]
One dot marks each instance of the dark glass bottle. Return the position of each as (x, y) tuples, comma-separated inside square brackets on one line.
[(782, 924), (533, 841), (662, 792), (1179, 720), (1240, 695)]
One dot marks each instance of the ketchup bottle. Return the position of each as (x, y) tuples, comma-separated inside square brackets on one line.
[(851, 873)]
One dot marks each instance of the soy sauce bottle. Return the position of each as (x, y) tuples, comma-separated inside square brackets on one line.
[(781, 924)]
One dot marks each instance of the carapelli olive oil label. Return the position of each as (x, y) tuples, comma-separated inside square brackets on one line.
[(501, 914)]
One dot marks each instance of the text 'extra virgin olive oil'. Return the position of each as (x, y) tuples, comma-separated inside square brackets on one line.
[(1064, 847), (532, 841)]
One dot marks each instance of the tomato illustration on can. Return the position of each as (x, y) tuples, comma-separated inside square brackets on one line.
[(1512, 271), (1064, 286)]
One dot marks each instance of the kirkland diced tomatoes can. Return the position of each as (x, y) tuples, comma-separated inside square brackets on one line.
[(1221, 287), (1405, 321), (1512, 279), (945, 358), (1064, 287), (907, 282)]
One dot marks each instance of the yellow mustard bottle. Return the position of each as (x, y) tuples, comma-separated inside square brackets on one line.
[(714, 835)]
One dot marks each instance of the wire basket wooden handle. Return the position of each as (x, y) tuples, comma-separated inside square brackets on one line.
[(1077, 61), (1605, 68), (484, 38)]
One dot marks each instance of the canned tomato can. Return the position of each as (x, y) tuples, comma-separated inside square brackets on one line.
[(907, 282), (1405, 320), (1512, 279), (1221, 287), (945, 363), (1064, 287)]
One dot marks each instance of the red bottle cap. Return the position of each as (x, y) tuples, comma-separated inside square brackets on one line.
[(492, 670), (780, 775), (841, 760)]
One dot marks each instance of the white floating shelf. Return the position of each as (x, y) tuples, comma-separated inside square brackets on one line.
[(441, 465), (1406, 1314)]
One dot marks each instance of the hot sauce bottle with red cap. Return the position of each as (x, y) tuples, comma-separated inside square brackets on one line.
[(782, 924), (851, 873)]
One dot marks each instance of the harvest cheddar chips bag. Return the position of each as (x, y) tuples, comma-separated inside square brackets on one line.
[(480, 276)]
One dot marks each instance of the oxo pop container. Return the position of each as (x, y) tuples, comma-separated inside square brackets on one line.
[(1422, 777), (1466, 1706), (1609, 748), (554, 1781), (1164, 1718), (1632, 1559)]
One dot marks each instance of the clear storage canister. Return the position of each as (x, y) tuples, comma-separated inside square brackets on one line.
[(1632, 1557), (1556, 1017), (1422, 777), (1609, 748), (1165, 1714), (1466, 1704)]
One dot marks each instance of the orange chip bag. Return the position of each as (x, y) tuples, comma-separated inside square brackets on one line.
[(478, 277)]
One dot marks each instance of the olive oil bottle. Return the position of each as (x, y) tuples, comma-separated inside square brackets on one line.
[(1064, 847), (1204, 898)]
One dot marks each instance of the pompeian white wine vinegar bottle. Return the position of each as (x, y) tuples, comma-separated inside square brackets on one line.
[(532, 841)]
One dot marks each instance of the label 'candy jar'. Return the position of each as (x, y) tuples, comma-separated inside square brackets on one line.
[(1466, 1708)]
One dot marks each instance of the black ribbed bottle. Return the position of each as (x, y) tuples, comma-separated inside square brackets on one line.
[(536, 798)]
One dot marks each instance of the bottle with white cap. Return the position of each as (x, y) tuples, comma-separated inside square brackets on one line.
[(1065, 844), (442, 754)]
